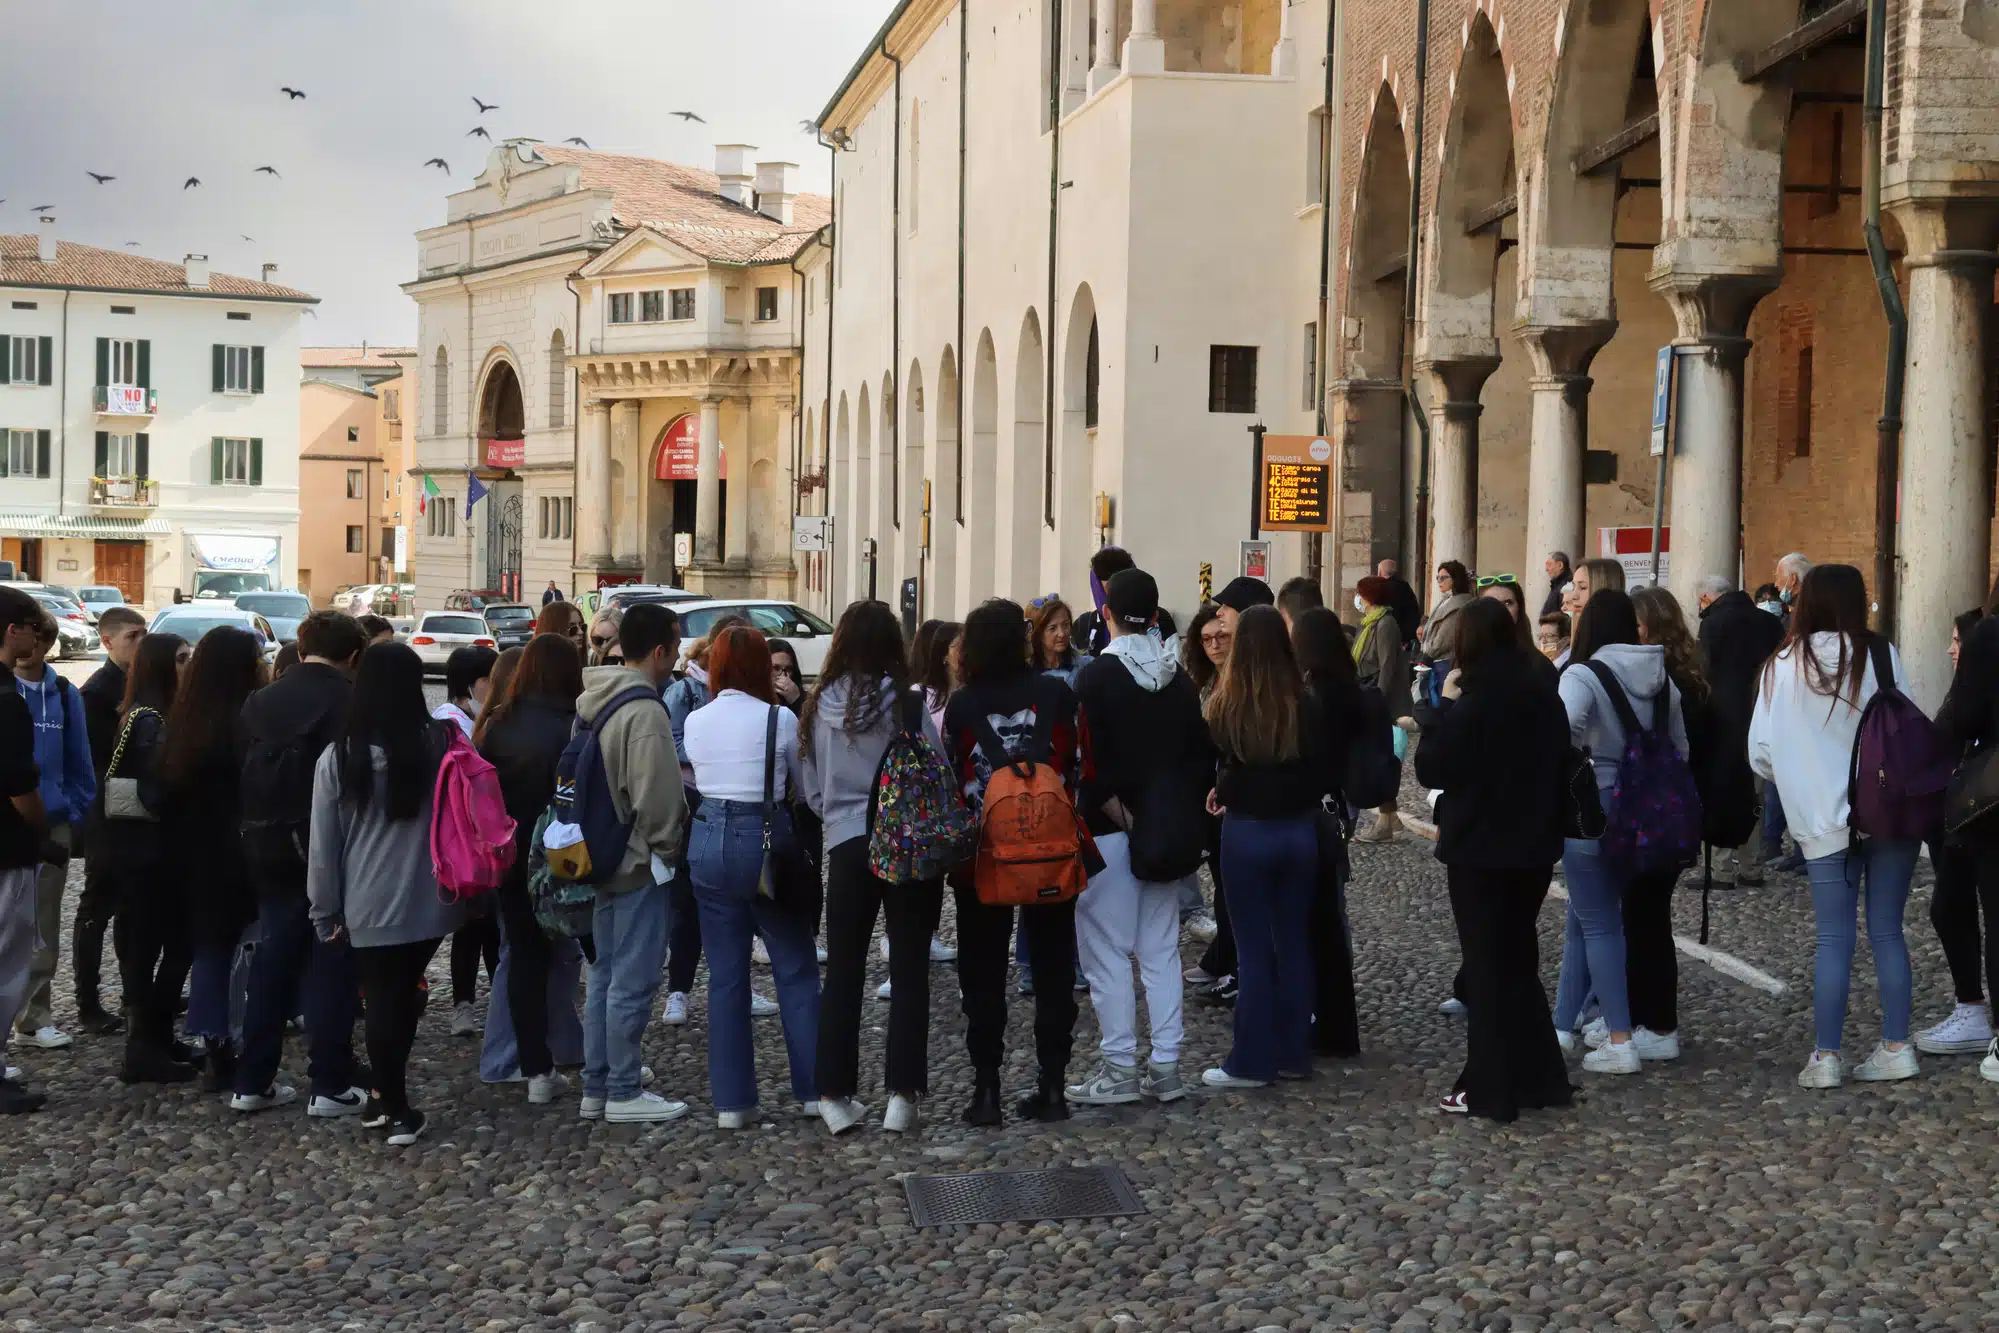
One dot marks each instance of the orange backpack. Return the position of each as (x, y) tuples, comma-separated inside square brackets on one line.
[(1030, 839)]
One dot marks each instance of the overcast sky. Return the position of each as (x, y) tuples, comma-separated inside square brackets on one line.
[(153, 93)]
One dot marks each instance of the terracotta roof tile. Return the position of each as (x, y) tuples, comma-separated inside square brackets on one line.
[(87, 266), (686, 204)]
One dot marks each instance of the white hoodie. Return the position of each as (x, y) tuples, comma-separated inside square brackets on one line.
[(1803, 741)]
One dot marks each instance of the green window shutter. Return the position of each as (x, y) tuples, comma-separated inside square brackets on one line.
[(6, 358), (6, 451), (103, 362), (218, 351), (256, 370), (143, 459), (103, 453), (145, 363), (215, 457), (45, 363), (256, 462), (41, 453)]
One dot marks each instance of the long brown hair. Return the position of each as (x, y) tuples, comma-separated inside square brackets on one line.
[(155, 674), (866, 650), (1663, 623), (228, 666), (548, 668), (1831, 600), (1253, 712)]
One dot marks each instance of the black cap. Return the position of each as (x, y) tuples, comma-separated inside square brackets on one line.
[(1132, 596), (1244, 592)]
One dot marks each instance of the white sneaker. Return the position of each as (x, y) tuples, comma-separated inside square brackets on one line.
[(647, 1106), (544, 1088), (676, 1009), (1613, 1057), (1988, 1068), (591, 1108), (741, 1119), (1821, 1071), (901, 1117), (1567, 1040), (1453, 1006), (1967, 1031), (841, 1113), (351, 1102), (807, 1110), (1111, 1085), (1222, 1078), (464, 1021), (279, 1095), (1202, 926), (884, 946), (883, 991), (49, 1037), (1656, 1046), (821, 951), (758, 953), (941, 952), (1886, 1066), (1199, 976), (12, 1073), (1595, 1033), (761, 1007)]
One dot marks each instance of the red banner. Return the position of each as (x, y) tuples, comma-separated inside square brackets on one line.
[(506, 453), (679, 454)]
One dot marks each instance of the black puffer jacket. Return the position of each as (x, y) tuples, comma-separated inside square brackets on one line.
[(523, 748), (204, 817)]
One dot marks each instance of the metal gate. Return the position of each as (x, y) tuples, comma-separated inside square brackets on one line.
[(503, 545)]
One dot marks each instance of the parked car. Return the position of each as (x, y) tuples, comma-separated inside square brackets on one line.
[(511, 624), (806, 632), (625, 595), (74, 635), (99, 598), (439, 632), (190, 622), (283, 609), (474, 599)]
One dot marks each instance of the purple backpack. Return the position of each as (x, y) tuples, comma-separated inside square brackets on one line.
[(1653, 820), (1901, 762)]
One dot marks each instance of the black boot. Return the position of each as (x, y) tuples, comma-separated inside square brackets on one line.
[(219, 1072), (147, 1060), (984, 1108), (1045, 1104), (95, 1019)]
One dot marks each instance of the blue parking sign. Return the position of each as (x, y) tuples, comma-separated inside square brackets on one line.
[(1662, 392)]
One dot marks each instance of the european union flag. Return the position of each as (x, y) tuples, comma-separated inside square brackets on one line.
[(475, 491)]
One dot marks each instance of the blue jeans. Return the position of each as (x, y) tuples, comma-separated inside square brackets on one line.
[(1773, 823), (1271, 874), (1593, 938), (330, 994), (725, 856), (215, 989), (630, 930), (499, 1054), (1887, 866)]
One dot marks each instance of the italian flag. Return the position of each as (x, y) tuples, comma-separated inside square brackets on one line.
[(425, 495)]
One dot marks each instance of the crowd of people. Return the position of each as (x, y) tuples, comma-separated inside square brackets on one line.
[(1061, 781)]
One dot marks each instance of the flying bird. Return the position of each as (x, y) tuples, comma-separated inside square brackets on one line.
[(479, 130), (441, 164), (99, 177), (268, 171), (251, 239), (293, 93), (131, 244), (484, 107), (41, 208), (191, 182), (577, 140), (688, 115)]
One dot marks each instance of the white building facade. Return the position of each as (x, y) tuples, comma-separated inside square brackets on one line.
[(609, 344), (1078, 252), (149, 413)]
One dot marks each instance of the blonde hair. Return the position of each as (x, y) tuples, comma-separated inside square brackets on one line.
[(1253, 712)]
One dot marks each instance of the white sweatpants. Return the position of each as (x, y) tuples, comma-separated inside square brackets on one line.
[(1117, 918)]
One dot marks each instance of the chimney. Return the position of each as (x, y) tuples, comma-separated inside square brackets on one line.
[(732, 165), (197, 271), (45, 248), (268, 270), (777, 187)]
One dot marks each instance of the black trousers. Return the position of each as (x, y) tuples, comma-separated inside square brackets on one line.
[(389, 977), (683, 933), (1219, 959), (1954, 915), (983, 934), (1986, 859), (154, 953), (530, 956), (1512, 1061), (854, 897), (478, 938), (94, 910), (1335, 1017), (1651, 964)]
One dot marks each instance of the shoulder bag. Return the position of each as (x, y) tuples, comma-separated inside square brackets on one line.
[(121, 795), (786, 878)]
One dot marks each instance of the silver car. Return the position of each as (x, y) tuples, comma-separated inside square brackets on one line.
[(283, 609), (439, 633), (190, 622), (74, 635)]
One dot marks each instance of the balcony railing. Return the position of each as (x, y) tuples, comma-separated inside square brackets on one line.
[(126, 400), (125, 492)]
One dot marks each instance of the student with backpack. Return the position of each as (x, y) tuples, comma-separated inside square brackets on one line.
[(468, 676), (1016, 738), (1830, 680), (1143, 803), (1625, 711), (863, 703), (371, 877), (285, 728)]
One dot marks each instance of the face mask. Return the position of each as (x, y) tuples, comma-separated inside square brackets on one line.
[(1360, 603), (1784, 595), (1774, 608)]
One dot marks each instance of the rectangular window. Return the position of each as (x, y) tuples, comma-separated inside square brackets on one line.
[(442, 516), (392, 404), (236, 370), (732, 304), (766, 304), (124, 310), (568, 516), (1231, 379), (353, 483), (1093, 385), (541, 512), (235, 462), (652, 307), (121, 456), (239, 314), (353, 434), (682, 303), (621, 308), (20, 453), (354, 546), (1794, 381), (26, 305), (1311, 367), (1315, 156), (122, 361), (23, 362)]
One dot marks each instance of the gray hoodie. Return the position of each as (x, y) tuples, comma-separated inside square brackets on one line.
[(1593, 724), (839, 766), (367, 872)]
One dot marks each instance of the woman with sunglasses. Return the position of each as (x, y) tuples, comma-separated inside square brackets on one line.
[(604, 649), (566, 619), (1506, 590), (1454, 594)]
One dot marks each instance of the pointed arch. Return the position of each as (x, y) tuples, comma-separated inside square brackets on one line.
[(1075, 464), (946, 529), (1023, 566), (1478, 173), (1378, 260)]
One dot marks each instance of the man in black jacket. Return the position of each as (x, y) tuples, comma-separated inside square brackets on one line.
[(1090, 633), (103, 694), (1736, 640), (284, 729)]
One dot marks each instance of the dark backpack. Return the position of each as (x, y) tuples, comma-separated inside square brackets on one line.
[(1168, 839), (583, 798), (1901, 763), (276, 821), (1374, 775), (1654, 816)]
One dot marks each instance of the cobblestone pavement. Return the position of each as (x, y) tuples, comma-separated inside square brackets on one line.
[(1709, 1194)]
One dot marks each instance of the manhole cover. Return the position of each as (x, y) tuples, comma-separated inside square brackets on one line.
[(1020, 1196)]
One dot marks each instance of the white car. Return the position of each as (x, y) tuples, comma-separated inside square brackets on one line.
[(808, 635), (439, 633)]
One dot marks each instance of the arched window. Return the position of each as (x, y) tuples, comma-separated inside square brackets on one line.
[(558, 379), (440, 377)]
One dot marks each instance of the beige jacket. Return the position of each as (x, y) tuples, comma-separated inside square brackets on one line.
[(643, 770)]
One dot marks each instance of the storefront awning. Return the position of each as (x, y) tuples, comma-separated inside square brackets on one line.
[(81, 526)]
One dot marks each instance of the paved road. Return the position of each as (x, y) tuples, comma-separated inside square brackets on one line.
[(1711, 1194)]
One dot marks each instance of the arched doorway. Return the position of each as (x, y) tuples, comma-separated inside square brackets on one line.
[(502, 440), (1371, 404), (671, 493)]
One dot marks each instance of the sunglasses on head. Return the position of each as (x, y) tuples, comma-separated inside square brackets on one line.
[(1042, 601), (1498, 581)]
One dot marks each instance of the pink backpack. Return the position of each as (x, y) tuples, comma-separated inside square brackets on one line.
[(471, 834)]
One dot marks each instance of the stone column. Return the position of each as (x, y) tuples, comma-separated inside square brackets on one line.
[(736, 555), (627, 551), (593, 484), (1559, 437), (1144, 52), (1712, 311), (1106, 67), (1945, 525), (708, 486), (1454, 391)]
